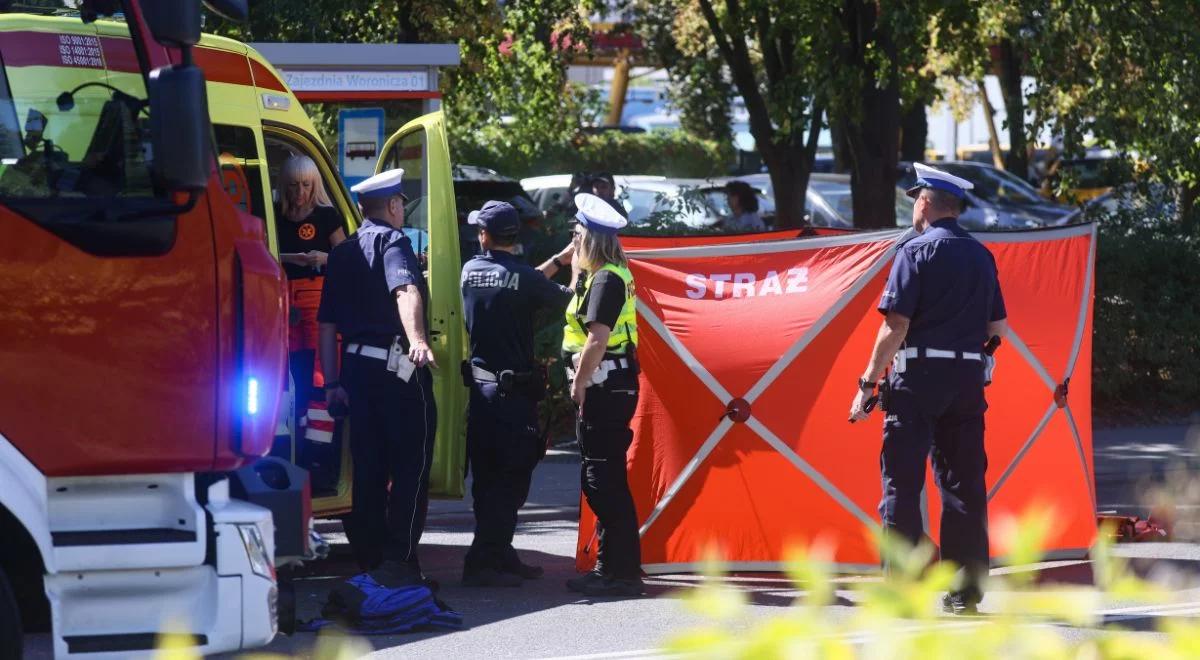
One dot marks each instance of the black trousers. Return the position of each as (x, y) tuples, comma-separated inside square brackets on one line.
[(301, 364), (392, 428), (502, 451), (321, 460), (604, 438), (936, 411)]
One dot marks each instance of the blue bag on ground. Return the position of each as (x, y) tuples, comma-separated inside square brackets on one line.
[(362, 605)]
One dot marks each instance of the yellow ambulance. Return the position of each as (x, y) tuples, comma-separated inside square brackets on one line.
[(258, 123)]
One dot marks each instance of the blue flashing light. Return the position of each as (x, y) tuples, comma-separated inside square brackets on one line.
[(252, 396)]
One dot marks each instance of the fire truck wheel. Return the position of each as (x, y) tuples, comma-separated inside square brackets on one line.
[(10, 622)]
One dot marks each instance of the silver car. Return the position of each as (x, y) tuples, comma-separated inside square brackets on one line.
[(828, 202), (999, 199)]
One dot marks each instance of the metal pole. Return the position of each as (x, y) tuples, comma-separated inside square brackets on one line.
[(620, 86)]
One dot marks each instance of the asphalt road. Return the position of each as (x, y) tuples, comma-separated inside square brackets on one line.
[(543, 620)]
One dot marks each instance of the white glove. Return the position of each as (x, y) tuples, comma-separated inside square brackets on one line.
[(989, 366)]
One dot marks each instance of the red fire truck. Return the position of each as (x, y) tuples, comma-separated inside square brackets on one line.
[(142, 347)]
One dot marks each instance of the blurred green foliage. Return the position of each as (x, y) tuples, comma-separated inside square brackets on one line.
[(667, 153), (899, 617)]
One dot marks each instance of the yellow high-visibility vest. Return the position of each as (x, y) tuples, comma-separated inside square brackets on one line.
[(625, 332)]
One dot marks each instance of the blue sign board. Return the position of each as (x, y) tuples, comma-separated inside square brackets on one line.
[(360, 140)]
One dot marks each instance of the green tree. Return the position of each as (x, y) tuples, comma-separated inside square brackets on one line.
[(771, 51), (514, 55), (1130, 80), (699, 86), (513, 79)]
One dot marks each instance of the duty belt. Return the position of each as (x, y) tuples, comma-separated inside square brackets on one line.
[(605, 365), (482, 375), (367, 351), (915, 352)]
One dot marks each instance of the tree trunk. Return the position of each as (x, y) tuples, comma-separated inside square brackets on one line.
[(841, 148), (789, 169), (1187, 205), (914, 131), (874, 138), (989, 118), (1008, 71)]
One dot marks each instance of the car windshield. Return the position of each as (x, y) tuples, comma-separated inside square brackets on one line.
[(717, 201), (1095, 172), (994, 185), (665, 206), (837, 195), (78, 136)]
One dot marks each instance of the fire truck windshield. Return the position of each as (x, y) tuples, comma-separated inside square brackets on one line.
[(66, 133)]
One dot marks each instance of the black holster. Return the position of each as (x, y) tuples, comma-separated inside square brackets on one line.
[(531, 384), (885, 395)]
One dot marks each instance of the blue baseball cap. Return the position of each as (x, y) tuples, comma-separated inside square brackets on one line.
[(498, 218)]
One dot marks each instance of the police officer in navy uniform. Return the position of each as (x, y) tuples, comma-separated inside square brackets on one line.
[(501, 294), (375, 297), (600, 345), (942, 305)]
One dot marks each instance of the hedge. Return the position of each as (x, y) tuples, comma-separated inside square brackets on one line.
[(665, 153), (1146, 341)]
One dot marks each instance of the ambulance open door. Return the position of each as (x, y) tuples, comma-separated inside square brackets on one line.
[(431, 220)]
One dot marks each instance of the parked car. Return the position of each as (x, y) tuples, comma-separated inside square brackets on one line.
[(652, 200), (999, 199), (1155, 201), (829, 202), (1089, 177), (550, 192), (473, 186)]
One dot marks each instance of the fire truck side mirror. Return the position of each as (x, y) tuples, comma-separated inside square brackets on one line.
[(180, 134), (233, 10), (174, 24)]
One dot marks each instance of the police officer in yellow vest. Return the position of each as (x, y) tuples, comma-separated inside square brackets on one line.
[(599, 344)]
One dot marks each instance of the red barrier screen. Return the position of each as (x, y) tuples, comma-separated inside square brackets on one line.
[(787, 326)]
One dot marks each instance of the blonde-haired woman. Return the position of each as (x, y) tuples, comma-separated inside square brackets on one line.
[(308, 227), (600, 342)]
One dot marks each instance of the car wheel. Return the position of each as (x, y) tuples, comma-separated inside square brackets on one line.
[(10, 622)]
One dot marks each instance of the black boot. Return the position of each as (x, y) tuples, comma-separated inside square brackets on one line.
[(960, 604), (578, 584)]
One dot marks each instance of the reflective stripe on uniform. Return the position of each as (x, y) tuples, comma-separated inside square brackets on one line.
[(320, 424)]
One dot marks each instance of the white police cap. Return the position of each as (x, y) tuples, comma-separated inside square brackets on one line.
[(930, 177), (598, 215), (384, 184)]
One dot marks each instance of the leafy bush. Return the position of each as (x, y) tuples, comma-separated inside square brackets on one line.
[(666, 153), (1147, 313), (897, 617)]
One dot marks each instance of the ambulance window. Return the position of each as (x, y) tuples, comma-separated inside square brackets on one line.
[(411, 154), (11, 149), (241, 168)]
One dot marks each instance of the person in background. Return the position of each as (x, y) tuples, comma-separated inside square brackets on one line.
[(308, 228), (743, 208), (604, 186)]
